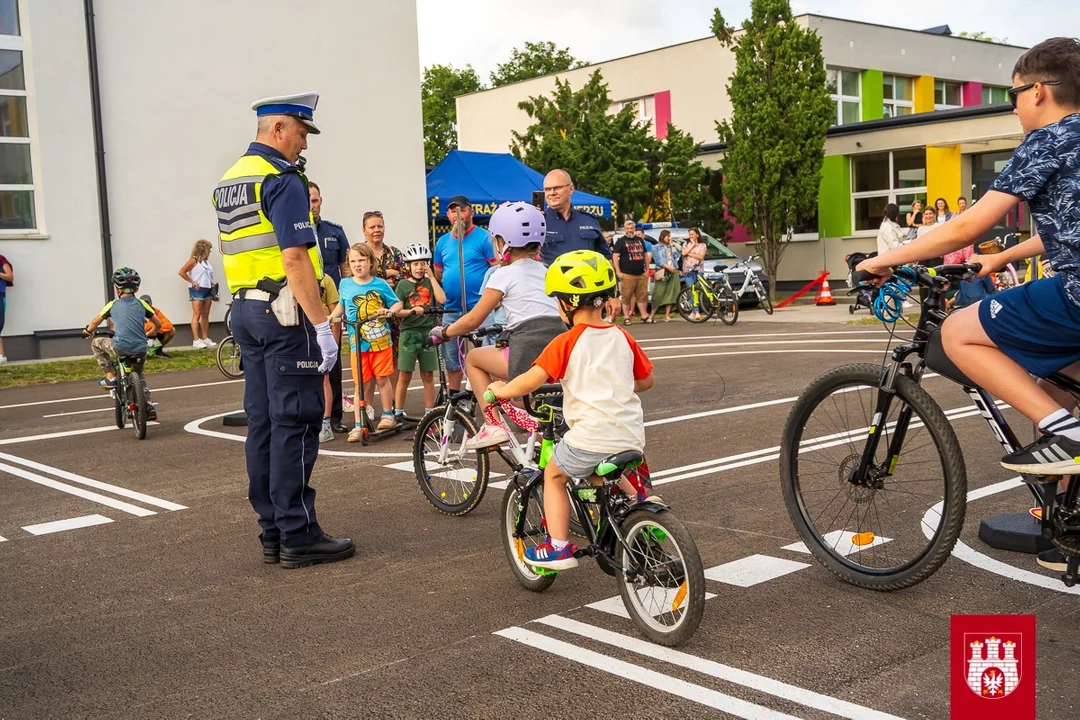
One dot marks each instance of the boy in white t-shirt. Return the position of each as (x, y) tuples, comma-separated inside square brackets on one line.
[(602, 368)]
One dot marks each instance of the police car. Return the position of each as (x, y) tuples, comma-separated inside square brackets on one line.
[(717, 256)]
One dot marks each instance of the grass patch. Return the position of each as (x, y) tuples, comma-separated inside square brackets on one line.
[(47, 373), (912, 318)]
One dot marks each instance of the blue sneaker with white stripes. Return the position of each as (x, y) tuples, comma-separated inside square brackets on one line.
[(1049, 455), (546, 556)]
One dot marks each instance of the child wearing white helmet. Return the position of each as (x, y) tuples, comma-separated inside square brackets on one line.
[(532, 316), (418, 290)]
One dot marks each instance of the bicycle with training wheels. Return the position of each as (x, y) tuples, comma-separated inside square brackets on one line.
[(452, 477), (751, 283), (228, 358), (872, 473), (710, 297), (651, 555)]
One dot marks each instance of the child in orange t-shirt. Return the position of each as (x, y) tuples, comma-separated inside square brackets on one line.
[(164, 336)]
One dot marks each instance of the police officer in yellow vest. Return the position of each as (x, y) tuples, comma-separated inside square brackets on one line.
[(273, 266)]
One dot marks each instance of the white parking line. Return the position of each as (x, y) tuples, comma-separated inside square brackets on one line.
[(96, 484), (69, 524), (78, 492), (644, 676), (79, 412), (65, 433), (760, 683)]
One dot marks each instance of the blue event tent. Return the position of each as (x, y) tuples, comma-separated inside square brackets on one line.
[(490, 179)]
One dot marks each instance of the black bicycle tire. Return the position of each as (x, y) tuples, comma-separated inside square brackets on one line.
[(139, 417), (228, 319), (507, 516), (227, 342), (120, 407), (953, 467), (483, 464), (687, 315), (734, 303), (766, 303), (692, 566)]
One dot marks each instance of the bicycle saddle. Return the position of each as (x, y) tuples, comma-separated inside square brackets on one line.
[(619, 461)]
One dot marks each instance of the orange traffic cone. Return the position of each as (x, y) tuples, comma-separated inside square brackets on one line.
[(824, 294)]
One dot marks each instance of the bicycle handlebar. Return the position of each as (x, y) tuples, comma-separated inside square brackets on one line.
[(926, 276)]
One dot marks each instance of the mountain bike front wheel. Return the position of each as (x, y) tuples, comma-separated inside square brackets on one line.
[(894, 526), (665, 591), (453, 479), (138, 398)]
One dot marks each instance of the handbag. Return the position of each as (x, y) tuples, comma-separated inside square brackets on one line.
[(660, 274)]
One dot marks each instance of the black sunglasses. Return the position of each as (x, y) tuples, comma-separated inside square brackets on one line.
[(373, 213), (1013, 92)]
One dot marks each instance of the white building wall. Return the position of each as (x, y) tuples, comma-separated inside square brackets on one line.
[(177, 83)]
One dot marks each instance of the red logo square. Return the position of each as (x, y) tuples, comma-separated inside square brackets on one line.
[(992, 667)]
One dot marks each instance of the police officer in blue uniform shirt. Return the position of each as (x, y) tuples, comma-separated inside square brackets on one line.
[(334, 247), (272, 265), (568, 229)]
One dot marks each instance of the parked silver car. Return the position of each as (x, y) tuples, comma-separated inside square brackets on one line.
[(717, 255)]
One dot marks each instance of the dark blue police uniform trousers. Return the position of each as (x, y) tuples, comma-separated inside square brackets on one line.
[(283, 398)]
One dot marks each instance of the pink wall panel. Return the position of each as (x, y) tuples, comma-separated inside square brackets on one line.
[(972, 94), (662, 105)]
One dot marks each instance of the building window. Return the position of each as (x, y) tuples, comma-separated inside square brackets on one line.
[(898, 95), (878, 179), (993, 95), (846, 91), (17, 211), (644, 108), (948, 95), (9, 17)]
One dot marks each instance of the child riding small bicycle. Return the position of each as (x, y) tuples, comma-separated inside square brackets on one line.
[(126, 315), (602, 368)]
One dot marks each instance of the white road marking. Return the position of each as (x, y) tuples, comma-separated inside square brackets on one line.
[(96, 484), (879, 332), (65, 433), (753, 570), (774, 342), (616, 606), (759, 683), (880, 353), (3, 539), (69, 524), (980, 560), (194, 428), (78, 492), (841, 541), (644, 676)]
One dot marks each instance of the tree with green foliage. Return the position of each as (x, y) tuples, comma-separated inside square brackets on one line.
[(541, 58), (982, 36), (691, 193), (440, 85), (775, 139)]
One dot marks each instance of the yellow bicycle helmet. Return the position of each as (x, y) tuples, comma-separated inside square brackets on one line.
[(579, 276)]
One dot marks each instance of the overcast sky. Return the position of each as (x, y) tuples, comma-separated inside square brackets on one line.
[(482, 33)]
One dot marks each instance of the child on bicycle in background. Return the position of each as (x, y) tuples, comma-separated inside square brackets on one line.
[(162, 337), (602, 369), (532, 317), (368, 300), (418, 291), (328, 293), (1035, 327), (126, 315)]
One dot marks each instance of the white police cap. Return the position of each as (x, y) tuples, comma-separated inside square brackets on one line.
[(300, 106)]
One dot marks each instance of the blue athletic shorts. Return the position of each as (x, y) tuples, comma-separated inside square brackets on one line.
[(1035, 324)]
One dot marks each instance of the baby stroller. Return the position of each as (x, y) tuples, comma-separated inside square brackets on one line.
[(864, 295)]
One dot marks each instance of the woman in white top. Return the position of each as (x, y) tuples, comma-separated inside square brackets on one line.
[(199, 274), (890, 235), (531, 315)]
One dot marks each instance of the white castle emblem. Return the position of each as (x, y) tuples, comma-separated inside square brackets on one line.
[(997, 673)]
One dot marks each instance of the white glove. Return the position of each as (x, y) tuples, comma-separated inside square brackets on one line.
[(327, 345)]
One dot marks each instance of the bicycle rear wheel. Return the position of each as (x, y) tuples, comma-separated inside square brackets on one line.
[(535, 532), (727, 305), (228, 358), (763, 297), (897, 528), (666, 597), (457, 485), (138, 398)]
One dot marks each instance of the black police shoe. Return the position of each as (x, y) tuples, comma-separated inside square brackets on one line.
[(324, 550), (271, 554)]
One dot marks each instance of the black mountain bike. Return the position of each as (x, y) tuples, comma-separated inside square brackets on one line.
[(651, 555), (872, 473)]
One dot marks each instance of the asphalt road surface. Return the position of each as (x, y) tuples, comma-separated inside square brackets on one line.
[(132, 583)]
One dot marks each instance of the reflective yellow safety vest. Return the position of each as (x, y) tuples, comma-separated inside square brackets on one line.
[(248, 243)]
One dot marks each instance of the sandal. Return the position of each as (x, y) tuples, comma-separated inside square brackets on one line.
[(649, 321), (626, 322)]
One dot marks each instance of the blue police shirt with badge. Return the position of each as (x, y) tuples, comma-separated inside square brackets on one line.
[(285, 201), (580, 231), (334, 247), (1045, 171)]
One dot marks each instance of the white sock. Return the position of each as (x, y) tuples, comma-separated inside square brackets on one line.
[(1061, 423), (559, 544)]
